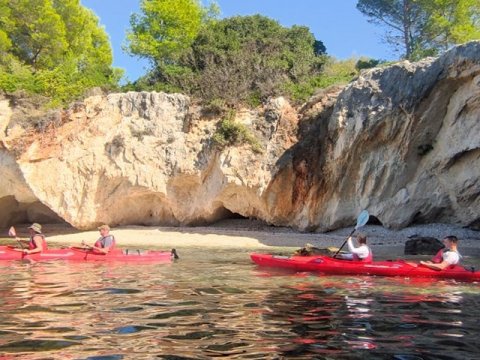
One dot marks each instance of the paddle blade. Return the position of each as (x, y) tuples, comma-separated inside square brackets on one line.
[(362, 219), (12, 232)]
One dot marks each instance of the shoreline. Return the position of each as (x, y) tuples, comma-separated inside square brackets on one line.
[(251, 234)]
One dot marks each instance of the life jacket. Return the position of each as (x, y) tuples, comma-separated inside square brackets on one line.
[(32, 245), (438, 258), (100, 244), (368, 259)]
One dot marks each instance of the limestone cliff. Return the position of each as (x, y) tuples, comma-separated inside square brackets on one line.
[(401, 141)]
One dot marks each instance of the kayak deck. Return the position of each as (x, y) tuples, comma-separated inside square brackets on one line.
[(331, 266)]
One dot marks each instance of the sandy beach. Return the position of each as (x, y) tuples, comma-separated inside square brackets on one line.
[(251, 234)]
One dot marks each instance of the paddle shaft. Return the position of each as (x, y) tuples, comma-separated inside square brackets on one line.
[(341, 247), (20, 242)]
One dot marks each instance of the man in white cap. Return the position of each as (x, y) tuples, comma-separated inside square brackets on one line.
[(105, 243)]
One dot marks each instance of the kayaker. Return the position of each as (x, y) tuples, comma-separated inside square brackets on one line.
[(36, 243), (361, 252), (445, 257), (105, 243)]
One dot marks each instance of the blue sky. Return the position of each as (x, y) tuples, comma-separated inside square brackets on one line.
[(337, 23)]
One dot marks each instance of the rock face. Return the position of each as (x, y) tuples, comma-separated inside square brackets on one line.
[(401, 141)]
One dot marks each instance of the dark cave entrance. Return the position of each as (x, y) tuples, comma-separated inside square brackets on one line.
[(232, 215), (373, 220)]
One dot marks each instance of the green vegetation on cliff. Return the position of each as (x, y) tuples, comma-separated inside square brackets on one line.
[(242, 59), (246, 59), (230, 133), (57, 49)]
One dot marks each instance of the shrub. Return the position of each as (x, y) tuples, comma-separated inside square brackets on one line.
[(367, 63), (241, 60), (230, 133), (334, 72)]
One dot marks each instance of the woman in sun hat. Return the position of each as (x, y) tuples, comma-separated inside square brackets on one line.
[(36, 243)]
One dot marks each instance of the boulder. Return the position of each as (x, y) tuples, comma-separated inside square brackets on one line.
[(423, 246)]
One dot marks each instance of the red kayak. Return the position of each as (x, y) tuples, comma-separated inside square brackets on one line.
[(328, 265), (80, 254)]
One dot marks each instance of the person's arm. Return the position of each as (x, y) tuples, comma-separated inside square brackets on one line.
[(350, 255), (350, 245), (104, 250), (345, 256), (94, 248), (108, 243), (360, 251), (440, 266)]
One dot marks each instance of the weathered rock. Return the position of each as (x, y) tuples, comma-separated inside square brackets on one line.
[(401, 141), (136, 158), (422, 246)]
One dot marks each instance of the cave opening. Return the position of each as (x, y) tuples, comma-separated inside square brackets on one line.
[(418, 218), (475, 225), (225, 216), (16, 213), (373, 220), (233, 215), (232, 219)]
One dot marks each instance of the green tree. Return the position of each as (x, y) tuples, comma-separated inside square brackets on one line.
[(38, 34), (88, 43), (53, 47), (249, 58), (5, 25), (164, 29), (418, 28), (452, 22), (404, 21)]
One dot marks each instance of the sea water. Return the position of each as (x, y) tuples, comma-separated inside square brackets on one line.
[(215, 303)]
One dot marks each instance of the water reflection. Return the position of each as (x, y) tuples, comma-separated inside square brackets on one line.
[(202, 307), (376, 318)]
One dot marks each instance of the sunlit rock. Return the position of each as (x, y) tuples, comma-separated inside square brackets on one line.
[(401, 141)]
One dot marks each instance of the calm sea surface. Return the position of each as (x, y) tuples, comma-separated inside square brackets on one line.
[(215, 303)]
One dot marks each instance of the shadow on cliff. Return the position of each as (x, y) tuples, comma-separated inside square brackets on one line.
[(304, 164)]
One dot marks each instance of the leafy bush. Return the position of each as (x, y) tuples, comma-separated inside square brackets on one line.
[(334, 72), (230, 133), (241, 60), (367, 63), (245, 60), (61, 84)]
